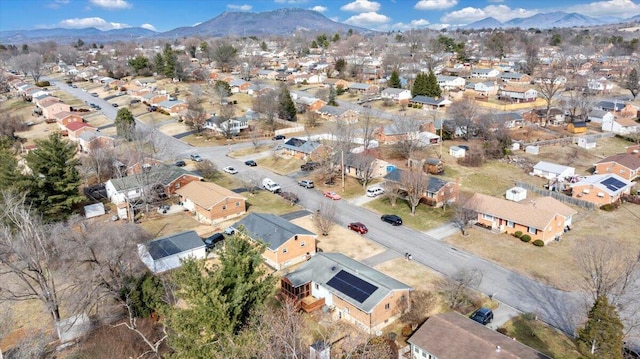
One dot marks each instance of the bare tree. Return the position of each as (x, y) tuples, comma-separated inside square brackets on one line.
[(418, 307), (324, 218), (408, 129), (458, 290), (208, 169), (463, 215), (10, 124), (267, 106), (414, 183), (196, 115), (27, 256), (364, 166), (550, 84), (30, 63), (368, 125), (100, 161), (392, 191), (224, 120), (281, 332), (312, 119), (464, 113)]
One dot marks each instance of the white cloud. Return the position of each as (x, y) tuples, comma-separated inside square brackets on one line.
[(361, 6), (111, 4), (319, 8), (367, 19), (414, 24), (148, 27), (97, 22), (622, 8), (244, 7), (435, 4), (500, 12)]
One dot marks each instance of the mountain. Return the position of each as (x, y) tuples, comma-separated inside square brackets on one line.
[(60, 35), (549, 20), (276, 22)]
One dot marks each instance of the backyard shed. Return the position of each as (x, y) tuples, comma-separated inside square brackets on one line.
[(165, 253), (457, 152)]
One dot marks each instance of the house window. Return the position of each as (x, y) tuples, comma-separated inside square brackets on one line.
[(387, 306), (237, 204), (224, 207), (317, 286), (487, 217), (284, 250), (532, 230), (177, 185), (302, 244)]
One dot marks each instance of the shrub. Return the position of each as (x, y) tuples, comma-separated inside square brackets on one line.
[(538, 243), (502, 331), (518, 234), (609, 207), (525, 238), (43, 83), (406, 331)]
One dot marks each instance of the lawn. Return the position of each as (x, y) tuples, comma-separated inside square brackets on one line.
[(542, 337), (249, 151), (281, 166), (426, 217)]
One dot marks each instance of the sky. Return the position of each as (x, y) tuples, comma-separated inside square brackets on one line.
[(382, 15)]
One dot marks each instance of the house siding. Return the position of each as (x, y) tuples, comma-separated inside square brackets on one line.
[(226, 209), (616, 168), (379, 316), (295, 251), (550, 232)]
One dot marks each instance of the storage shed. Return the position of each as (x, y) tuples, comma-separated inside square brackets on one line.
[(163, 254), (457, 152)]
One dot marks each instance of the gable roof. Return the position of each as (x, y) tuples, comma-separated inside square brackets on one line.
[(452, 336), (430, 100), (162, 174), (300, 145), (271, 229), (173, 244), (394, 91), (628, 160), (609, 183), (434, 184), (529, 214), (74, 126), (551, 167), (206, 194), (336, 271)]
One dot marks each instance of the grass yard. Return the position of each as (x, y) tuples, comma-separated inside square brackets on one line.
[(203, 140), (541, 337), (163, 225), (426, 217), (153, 117), (267, 202), (281, 166), (246, 151)]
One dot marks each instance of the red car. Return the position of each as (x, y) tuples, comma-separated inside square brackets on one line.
[(332, 195), (358, 227)]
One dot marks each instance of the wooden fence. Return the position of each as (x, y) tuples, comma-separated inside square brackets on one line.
[(557, 195)]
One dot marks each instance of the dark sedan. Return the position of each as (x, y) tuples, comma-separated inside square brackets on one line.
[(251, 163), (483, 316), (392, 219)]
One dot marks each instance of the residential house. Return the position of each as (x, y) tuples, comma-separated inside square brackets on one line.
[(432, 166), (457, 152), (145, 82), (166, 253), (577, 127), (309, 103), (173, 106), (515, 77), (338, 114), (232, 126), (601, 85), (395, 94), (454, 336), (153, 98), (600, 116), (75, 129), (448, 83), (360, 165), (543, 218), (309, 78), (601, 189), (430, 102), (336, 83), (90, 141), (51, 108), (303, 149), (392, 133), (286, 243), (267, 74), (211, 203), (356, 292), (539, 116), (633, 149), (484, 73), (437, 191), (621, 125), (483, 88), (553, 171), (502, 120), (365, 89), (625, 165), (64, 118), (515, 93), (610, 106), (239, 86)]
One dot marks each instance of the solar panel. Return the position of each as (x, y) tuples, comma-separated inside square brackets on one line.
[(613, 184), (161, 249), (354, 287)]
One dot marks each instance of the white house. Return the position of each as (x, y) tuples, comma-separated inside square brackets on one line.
[(552, 171), (600, 85), (484, 73), (396, 94), (600, 116), (451, 82), (620, 126), (484, 87), (231, 126), (166, 253)]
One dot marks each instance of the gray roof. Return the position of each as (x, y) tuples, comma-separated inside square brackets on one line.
[(323, 267), (433, 185), (174, 244), (428, 100), (271, 229), (162, 174), (551, 167), (393, 91), (300, 145), (332, 110), (610, 183), (359, 86), (598, 113)]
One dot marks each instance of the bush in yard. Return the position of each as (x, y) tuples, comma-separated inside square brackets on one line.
[(538, 243), (518, 234), (407, 331), (43, 83), (502, 331), (525, 238)]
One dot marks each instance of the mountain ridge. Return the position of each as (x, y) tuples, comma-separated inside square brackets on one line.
[(557, 19)]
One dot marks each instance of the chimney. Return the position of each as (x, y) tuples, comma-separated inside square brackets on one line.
[(497, 349)]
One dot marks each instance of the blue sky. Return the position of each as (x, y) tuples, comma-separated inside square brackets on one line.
[(384, 15)]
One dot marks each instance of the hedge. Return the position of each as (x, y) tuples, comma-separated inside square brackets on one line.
[(518, 234), (525, 238), (538, 243)]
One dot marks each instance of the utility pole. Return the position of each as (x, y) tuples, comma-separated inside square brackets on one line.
[(342, 171)]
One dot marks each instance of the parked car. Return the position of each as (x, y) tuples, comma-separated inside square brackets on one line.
[(289, 196), (229, 231), (306, 183), (230, 170), (374, 191), (278, 137), (98, 108), (392, 219), (94, 94), (251, 163), (74, 86), (93, 105), (180, 163), (483, 316), (135, 100), (196, 157), (271, 185), (114, 104), (213, 240), (358, 227), (310, 166), (334, 196)]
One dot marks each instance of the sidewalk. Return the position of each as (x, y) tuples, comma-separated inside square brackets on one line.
[(442, 232)]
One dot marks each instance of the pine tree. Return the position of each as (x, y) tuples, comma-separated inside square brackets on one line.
[(602, 335), (219, 300), (9, 174), (286, 107), (420, 87), (332, 97), (169, 57), (633, 83), (394, 80), (433, 89), (125, 124), (53, 185), (158, 63)]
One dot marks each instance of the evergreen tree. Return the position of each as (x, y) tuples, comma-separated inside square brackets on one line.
[(332, 97), (219, 300), (433, 89), (394, 80), (53, 185), (125, 124), (170, 60), (602, 335), (263, 46), (158, 63), (420, 87), (633, 83), (9, 173), (286, 107)]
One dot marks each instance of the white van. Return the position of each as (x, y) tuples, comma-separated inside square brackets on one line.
[(270, 185), (374, 191)]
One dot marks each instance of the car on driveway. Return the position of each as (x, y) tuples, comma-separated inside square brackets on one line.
[(392, 219), (180, 163), (374, 191), (310, 166), (483, 316), (196, 157), (94, 94), (114, 105), (98, 107), (230, 170), (334, 196), (93, 105), (251, 163), (278, 137), (213, 241), (306, 183), (358, 227)]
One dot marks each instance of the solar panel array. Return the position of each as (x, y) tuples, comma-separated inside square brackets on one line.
[(356, 288), (613, 184), (161, 249)]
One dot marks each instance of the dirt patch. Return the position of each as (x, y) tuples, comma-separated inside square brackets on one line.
[(175, 128)]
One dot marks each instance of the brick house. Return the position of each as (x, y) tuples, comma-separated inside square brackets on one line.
[(303, 149), (336, 114), (75, 129), (286, 243), (360, 294), (211, 203), (601, 189), (51, 108), (90, 141), (173, 106), (436, 192), (64, 118), (516, 93)]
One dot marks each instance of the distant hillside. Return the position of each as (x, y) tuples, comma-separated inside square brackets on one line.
[(277, 22), (60, 35), (550, 20)]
